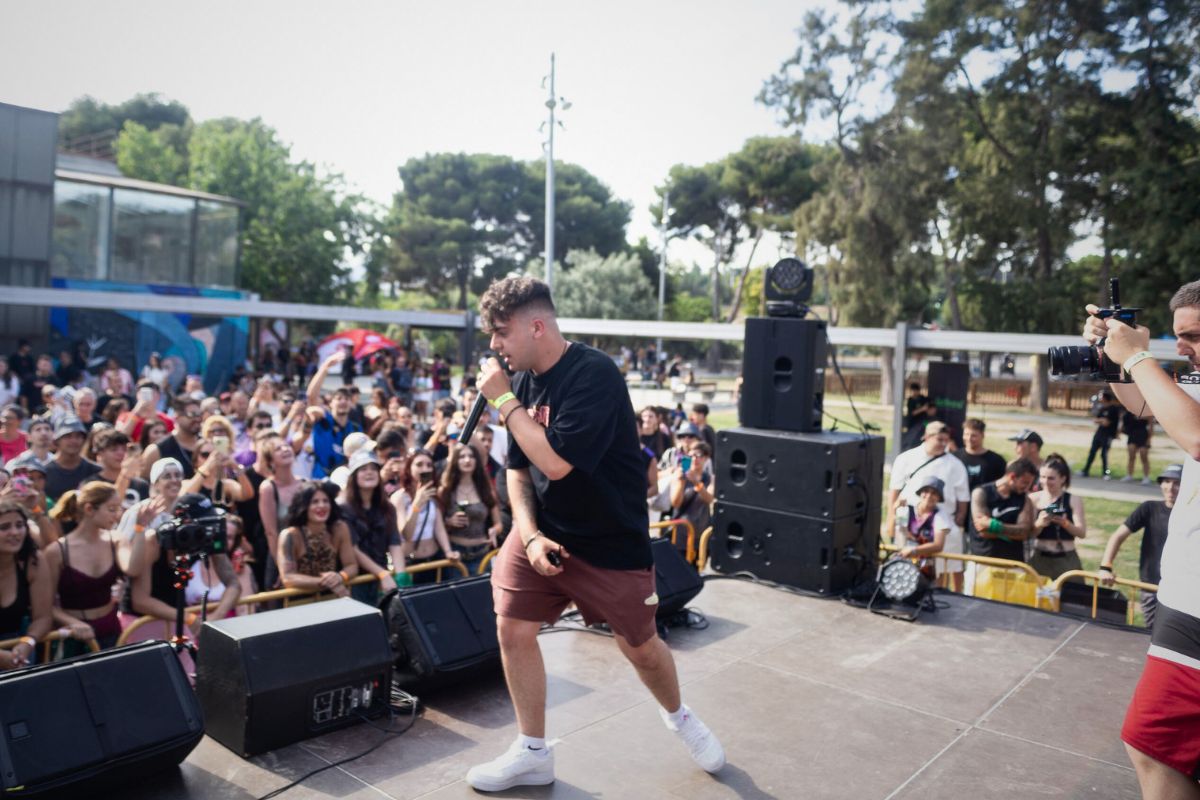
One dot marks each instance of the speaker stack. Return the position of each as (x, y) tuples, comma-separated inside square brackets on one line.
[(795, 504)]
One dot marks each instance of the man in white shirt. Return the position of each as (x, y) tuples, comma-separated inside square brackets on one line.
[(1162, 726), (931, 460)]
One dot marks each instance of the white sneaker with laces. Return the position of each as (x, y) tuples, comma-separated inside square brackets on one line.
[(701, 743), (519, 766)]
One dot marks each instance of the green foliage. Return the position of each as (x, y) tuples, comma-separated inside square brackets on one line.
[(87, 116), (586, 215), (687, 308), (151, 155), (604, 287)]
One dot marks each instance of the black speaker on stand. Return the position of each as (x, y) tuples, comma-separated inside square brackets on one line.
[(783, 374)]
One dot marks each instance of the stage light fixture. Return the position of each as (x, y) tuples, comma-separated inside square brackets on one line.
[(905, 588), (787, 287)]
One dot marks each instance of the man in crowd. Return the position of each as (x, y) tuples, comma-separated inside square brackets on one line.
[(181, 443), (41, 437), (698, 416), (330, 426), (1107, 417), (85, 407), (146, 408), (1029, 447), (401, 379), (1152, 517), (1001, 513), (32, 385), (119, 466), (69, 469), (983, 465), (930, 459)]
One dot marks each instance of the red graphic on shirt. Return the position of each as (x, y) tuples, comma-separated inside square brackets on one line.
[(541, 415)]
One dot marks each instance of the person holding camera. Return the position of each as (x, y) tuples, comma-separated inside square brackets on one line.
[(1162, 726), (420, 516), (693, 489), (1059, 520)]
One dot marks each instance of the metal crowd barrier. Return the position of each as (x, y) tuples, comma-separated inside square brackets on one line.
[(288, 596), (47, 641), (675, 525), (1095, 579)]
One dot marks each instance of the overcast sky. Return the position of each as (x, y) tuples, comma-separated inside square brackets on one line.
[(362, 86)]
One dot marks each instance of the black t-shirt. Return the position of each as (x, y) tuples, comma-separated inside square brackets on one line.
[(598, 511), (1113, 414), (1007, 510), (986, 467), (1151, 516), (59, 481), (248, 510)]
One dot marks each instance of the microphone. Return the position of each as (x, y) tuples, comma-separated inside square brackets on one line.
[(464, 436)]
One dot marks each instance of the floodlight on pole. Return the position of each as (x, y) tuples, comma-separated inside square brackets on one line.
[(552, 102)]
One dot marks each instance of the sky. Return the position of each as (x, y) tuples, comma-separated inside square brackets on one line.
[(360, 87)]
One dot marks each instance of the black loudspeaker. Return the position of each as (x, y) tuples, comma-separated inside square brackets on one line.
[(1111, 605), (269, 679), (113, 715), (818, 555), (827, 475), (675, 581), (442, 633), (783, 374)]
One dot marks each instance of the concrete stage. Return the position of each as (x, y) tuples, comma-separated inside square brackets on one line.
[(811, 698)]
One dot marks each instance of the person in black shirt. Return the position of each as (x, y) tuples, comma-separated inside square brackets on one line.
[(576, 480), (1137, 438), (1002, 514), (983, 465), (1151, 517), (1107, 417)]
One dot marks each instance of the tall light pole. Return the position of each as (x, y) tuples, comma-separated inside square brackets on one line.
[(662, 262), (552, 102)]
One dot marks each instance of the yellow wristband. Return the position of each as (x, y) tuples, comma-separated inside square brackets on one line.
[(502, 399)]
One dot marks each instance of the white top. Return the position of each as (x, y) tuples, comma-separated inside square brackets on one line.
[(10, 389), (908, 478), (426, 518), (1179, 586), (193, 593)]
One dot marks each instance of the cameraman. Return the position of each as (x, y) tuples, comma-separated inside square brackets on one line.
[(1161, 732)]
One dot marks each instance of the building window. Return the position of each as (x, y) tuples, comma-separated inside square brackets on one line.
[(216, 243), (81, 231), (152, 237)]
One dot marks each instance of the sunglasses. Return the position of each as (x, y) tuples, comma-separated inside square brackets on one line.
[(192, 415), (266, 426)]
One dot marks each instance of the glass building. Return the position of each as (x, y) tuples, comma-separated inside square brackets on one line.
[(111, 228)]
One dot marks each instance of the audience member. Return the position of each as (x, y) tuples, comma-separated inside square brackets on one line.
[(40, 438), (120, 465), (1029, 447), (29, 615), (698, 416), (651, 433), (145, 409), (921, 530), (84, 405), (470, 511), (693, 490), (315, 551), (275, 495), (373, 528), (983, 465), (181, 443), (419, 518), (1107, 417), (1059, 520), (330, 426), (27, 488), (68, 470), (13, 441), (1137, 437), (1001, 513), (1151, 517), (10, 385)]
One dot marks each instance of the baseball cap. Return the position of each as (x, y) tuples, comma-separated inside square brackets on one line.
[(688, 429), (68, 424), (355, 442), (1027, 435), (934, 428), (1171, 472), (937, 484), (30, 462)]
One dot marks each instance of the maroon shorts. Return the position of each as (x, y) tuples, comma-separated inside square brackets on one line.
[(625, 599), (1163, 720)]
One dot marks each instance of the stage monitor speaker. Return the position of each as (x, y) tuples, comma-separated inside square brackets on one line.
[(828, 474), (1111, 605), (783, 374), (818, 555), (269, 679), (102, 717), (675, 580), (442, 633)]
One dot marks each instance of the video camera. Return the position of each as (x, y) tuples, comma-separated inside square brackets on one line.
[(1080, 359), (197, 528)]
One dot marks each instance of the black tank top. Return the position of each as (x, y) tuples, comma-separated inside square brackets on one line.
[(1007, 510), (13, 617), (170, 448), (162, 584), (1055, 532)]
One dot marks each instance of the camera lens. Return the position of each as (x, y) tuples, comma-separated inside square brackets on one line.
[(1073, 360)]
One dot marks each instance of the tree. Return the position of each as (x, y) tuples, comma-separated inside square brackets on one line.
[(151, 155), (87, 118), (586, 215), (604, 287)]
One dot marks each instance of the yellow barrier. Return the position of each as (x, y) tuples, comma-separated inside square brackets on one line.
[(1027, 587), (702, 558), (49, 639), (1095, 579), (487, 559), (288, 595), (674, 525)]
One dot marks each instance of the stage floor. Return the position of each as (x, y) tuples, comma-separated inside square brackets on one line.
[(811, 698)]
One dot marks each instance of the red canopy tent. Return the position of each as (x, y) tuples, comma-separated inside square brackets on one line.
[(364, 342)]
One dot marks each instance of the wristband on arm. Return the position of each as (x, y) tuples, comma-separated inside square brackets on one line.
[(1136, 359), (502, 399)]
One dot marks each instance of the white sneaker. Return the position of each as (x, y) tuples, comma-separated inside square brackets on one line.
[(702, 745), (1128, 479), (519, 766), (1146, 482)]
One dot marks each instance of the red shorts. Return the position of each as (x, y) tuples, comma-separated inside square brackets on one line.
[(1163, 720), (625, 599)]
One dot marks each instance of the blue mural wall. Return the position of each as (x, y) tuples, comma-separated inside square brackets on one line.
[(190, 344)]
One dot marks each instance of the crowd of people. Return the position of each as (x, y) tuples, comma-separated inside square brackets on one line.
[(318, 484)]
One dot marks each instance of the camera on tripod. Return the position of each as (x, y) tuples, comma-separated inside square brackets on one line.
[(1081, 359), (197, 528)]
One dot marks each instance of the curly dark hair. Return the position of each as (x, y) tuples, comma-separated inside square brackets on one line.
[(298, 510), (506, 297), (28, 554)]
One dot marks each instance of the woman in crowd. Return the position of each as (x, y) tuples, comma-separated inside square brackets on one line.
[(315, 551), (84, 564), (266, 398), (921, 531), (116, 381), (692, 491), (469, 507), (652, 433), (1059, 522), (26, 596), (153, 591), (274, 499), (155, 371), (419, 518), (422, 390), (152, 433), (12, 439), (377, 409), (218, 476), (10, 384), (373, 528)]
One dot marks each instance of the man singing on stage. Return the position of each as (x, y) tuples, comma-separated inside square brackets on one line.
[(577, 482)]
